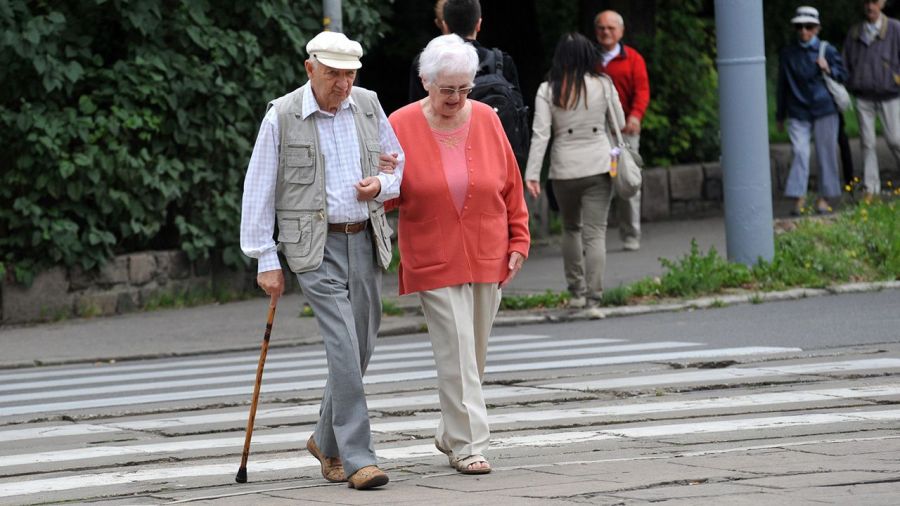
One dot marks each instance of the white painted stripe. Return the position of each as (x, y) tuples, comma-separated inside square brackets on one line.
[(730, 374), (374, 404), (656, 380), (300, 372), (648, 357), (798, 397), (181, 371), (54, 371), (20, 488), (269, 387), (795, 397)]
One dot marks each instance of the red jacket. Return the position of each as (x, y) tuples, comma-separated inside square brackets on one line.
[(440, 247), (629, 73)]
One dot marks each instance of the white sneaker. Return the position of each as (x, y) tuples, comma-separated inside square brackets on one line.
[(631, 244), (577, 302)]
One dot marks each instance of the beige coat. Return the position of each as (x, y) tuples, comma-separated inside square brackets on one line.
[(581, 142)]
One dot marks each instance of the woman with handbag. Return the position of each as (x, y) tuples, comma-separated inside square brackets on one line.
[(804, 99), (572, 107)]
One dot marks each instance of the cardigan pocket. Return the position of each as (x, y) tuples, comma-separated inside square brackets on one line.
[(493, 236), (426, 248)]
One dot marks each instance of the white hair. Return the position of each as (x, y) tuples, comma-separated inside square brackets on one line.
[(447, 54)]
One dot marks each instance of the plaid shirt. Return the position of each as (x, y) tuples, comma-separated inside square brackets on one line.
[(339, 145)]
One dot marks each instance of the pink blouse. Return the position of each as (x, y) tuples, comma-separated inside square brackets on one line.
[(452, 146)]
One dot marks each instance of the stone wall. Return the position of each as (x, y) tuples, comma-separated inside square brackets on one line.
[(127, 283)]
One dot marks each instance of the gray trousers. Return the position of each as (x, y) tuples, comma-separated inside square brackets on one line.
[(628, 210), (584, 208), (345, 295), (889, 113), (825, 131)]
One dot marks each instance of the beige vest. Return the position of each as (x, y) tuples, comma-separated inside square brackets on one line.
[(300, 187)]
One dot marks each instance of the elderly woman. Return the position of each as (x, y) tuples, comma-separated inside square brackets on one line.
[(804, 100), (572, 106), (463, 235)]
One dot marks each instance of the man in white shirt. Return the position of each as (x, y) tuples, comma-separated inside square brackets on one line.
[(320, 168)]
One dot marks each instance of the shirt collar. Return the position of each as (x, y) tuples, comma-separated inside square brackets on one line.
[(310, 106)]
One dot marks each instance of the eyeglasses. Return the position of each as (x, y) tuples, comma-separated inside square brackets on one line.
[(806, 26), (449, 92)]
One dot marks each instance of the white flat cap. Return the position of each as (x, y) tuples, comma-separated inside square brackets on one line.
[(806, 14), (335, 50)]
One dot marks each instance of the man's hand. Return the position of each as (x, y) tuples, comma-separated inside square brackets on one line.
[(515, 264), (387, 162), (632, 126), (272, 282), (534, 188), (368, 189)]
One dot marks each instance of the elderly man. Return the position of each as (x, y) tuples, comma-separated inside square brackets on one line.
[(872, 56), (318, 169), (628, 71)]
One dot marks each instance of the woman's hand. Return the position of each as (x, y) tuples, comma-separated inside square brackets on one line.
[(534, 188), (387, 162), (515, 264), (823, 64)]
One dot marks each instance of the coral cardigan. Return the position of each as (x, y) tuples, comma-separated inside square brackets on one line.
[(439, 246)]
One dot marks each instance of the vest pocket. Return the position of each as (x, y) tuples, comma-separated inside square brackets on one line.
[(295, 235), (373, 150), (299, 166)]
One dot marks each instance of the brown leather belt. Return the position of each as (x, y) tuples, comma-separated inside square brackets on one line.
[(348, 228)]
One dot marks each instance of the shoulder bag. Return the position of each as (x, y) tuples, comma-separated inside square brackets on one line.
[(837, 90), (627, 180)]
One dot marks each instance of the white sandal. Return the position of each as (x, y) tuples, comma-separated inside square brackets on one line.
[(462, 465)]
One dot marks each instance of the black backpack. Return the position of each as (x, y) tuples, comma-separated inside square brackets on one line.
[(492, 88)]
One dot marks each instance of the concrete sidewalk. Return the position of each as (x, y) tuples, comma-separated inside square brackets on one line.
[(239, 325)]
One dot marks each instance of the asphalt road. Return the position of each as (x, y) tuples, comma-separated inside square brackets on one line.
[(788, 402)]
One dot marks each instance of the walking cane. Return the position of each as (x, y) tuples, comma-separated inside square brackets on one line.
[(242, 471)]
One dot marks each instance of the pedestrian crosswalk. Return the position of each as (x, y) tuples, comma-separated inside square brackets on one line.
[(78, 432)]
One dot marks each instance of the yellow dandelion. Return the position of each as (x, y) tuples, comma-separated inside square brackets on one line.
[(890, 184), (848, 188), (855, 179)]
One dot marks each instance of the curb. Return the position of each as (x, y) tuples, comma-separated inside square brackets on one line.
[(525, 317)]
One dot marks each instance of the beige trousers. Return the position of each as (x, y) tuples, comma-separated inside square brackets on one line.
[(459, 322)]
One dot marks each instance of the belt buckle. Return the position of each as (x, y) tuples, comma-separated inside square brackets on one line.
[(347, 227)]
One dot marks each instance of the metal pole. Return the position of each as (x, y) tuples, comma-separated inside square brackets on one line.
[(331, 16), (749, 234)]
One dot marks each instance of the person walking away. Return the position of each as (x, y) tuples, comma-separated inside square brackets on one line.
[(316, 169), (628, 71), (872, 55), (571, 108), (463, 235), (804, 100), (496, 80)]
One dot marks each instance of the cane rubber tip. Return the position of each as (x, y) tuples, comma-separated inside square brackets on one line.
[(241, 475)]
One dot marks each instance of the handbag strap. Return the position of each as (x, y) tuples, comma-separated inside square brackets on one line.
[(610, 89)]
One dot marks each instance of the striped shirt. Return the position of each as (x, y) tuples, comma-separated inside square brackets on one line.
[(339, 145)]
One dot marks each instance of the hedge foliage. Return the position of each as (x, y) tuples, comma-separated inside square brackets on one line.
[(682, 121), (128, 124)]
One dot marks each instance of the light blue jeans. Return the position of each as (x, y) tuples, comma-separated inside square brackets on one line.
[(825, 131)]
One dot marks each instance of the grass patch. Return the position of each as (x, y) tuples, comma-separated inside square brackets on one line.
[(861, 243), (548, 299)]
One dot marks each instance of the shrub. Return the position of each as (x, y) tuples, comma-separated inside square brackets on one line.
[(128, 125)]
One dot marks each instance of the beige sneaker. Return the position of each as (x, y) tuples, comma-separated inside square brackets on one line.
[(367, 477), (631, 244), (577, 302)]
